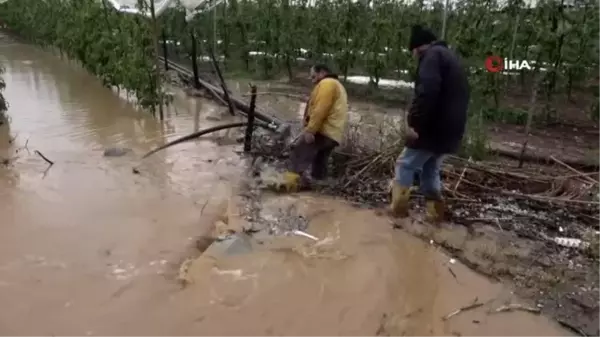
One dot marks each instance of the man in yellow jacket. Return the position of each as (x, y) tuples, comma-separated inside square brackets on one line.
[(324, 123)]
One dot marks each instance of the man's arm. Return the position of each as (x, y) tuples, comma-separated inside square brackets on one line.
[(427, 92), (322, 103)]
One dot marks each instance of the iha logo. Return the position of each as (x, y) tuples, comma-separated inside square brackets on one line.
[(495, 64)]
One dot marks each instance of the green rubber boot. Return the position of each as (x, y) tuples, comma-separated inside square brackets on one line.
[(400, 197)]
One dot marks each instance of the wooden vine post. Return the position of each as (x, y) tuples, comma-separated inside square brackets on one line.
[(3, 103), (444, 19), (164, 47), (194, 53), (214, 25), (537, 80), (250, 127)]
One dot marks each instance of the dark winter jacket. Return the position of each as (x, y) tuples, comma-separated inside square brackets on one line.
[(439, 109)]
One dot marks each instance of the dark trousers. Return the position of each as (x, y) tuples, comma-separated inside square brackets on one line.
[(315, 154)]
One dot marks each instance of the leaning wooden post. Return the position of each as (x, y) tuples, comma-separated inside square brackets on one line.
[(250, 127), (223, 84)]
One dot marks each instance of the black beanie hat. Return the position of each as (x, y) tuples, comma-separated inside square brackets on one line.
[(420, 36)]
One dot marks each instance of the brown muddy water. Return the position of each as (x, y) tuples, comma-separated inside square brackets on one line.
[(89, 248)]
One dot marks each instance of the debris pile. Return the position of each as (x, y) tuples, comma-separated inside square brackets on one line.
[(276, 220), (538, 203)]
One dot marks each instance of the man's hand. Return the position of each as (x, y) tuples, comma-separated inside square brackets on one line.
[(308, 137), (411, 134)]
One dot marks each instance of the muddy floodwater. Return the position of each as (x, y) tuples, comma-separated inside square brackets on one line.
[(87, 247)]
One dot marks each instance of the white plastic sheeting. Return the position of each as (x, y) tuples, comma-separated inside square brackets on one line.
[(192, 7)]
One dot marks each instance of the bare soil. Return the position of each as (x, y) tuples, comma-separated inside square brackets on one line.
[(577, 145)]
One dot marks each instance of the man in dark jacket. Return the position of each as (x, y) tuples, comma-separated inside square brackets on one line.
[(436, 123)]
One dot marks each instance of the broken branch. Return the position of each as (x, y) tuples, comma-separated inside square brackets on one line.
[(572, 169), (273, 93), (513, 307), (461, 176), (50, 162), (201, 133), (472, 306)]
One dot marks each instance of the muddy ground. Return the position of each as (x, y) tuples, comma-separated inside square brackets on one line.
[(503, 237), (350, 273), (510, 240)]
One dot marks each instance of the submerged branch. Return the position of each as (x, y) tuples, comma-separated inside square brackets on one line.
[(50, 162)]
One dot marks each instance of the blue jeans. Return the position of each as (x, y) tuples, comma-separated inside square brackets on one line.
[(426, 163)]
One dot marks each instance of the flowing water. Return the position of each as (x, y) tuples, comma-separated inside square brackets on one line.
[(88, 247)]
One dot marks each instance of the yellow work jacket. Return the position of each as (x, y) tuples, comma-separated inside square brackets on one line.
[(327, 110)]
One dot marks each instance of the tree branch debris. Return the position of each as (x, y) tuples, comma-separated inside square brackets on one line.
[(516, 307), (471, 306), (50, 162)]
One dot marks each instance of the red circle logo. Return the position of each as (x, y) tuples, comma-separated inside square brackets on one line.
[(494, 64)]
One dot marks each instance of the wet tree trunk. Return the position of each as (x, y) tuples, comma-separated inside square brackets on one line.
[(532, 104), (558, 15), (164, 47), (250, 126), (158, 82), (194, 53)]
